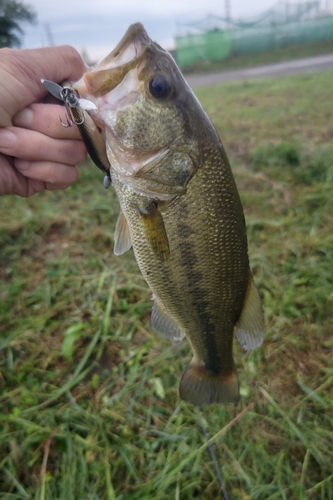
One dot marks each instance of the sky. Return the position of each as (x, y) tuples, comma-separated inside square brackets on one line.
[(98, 25)]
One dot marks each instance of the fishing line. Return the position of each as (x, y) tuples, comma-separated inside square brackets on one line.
[(210, 447), (212, 455)]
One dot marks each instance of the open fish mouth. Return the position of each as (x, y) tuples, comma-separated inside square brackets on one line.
[(121, 66), (128, 49)]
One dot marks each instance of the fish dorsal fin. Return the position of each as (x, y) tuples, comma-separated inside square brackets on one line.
[(155, 231), (250, 328), (122, 237), (164, 324)]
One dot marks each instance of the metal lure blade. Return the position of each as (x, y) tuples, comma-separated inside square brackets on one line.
[(59, 92), (53, 88)]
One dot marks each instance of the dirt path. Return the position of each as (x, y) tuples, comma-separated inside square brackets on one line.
[(296, 67)]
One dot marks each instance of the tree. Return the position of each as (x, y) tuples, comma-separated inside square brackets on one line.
[(12, 14)]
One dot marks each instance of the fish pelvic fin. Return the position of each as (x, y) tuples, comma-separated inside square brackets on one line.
[(250, 328), (154, 228), (202, 387), (122, 237)]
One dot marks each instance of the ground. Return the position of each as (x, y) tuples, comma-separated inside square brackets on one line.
[(89, 394)]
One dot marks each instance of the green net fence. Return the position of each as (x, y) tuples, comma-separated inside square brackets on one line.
[(217, 44)]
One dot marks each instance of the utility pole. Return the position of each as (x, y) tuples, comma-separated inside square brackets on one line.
[(49, 35), (227, 13), (287, 11)]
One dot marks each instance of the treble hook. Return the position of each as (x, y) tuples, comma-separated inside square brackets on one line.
[(68, 118), (75, 107), (71, 101)]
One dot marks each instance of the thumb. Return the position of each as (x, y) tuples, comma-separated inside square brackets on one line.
[(57, 63), (29, 66)]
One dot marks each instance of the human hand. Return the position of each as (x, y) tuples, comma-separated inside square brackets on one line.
[(36, 152)]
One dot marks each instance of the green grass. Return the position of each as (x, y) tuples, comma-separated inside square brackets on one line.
[(257, 59), (89, 394)]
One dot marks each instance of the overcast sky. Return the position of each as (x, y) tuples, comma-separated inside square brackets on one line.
[(98, 25)]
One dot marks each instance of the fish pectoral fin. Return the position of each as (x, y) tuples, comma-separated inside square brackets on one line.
[(154, 229), (164, 324), (250, 328), (202, 387), (122, 237)]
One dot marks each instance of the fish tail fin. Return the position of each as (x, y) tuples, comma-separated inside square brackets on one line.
[(202, 387)]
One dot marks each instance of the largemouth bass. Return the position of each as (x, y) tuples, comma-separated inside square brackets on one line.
[(180, 210)]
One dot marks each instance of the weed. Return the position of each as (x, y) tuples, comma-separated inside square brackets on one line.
[(89, 394)]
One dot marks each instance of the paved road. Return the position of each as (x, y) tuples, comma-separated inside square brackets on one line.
[(296, 67)]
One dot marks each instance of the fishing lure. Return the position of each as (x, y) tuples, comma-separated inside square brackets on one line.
[(76, 110)]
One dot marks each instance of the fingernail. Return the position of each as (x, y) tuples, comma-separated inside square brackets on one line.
[(7, 139), (22, 164), (23, 118)]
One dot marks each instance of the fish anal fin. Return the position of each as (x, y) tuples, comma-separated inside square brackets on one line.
[(164, 324), (202, 387), (250, 328), (122, 237), (154, 229)]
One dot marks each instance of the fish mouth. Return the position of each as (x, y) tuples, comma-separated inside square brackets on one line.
[(126, 59), (128, 49), (115, 84)]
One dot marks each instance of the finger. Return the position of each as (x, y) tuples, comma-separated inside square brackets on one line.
[(34, 146), (63, 63), (13, 182), (45, 118), (27, 67), (54, 175)]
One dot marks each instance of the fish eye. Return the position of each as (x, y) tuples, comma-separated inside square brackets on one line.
[(159, 87)]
